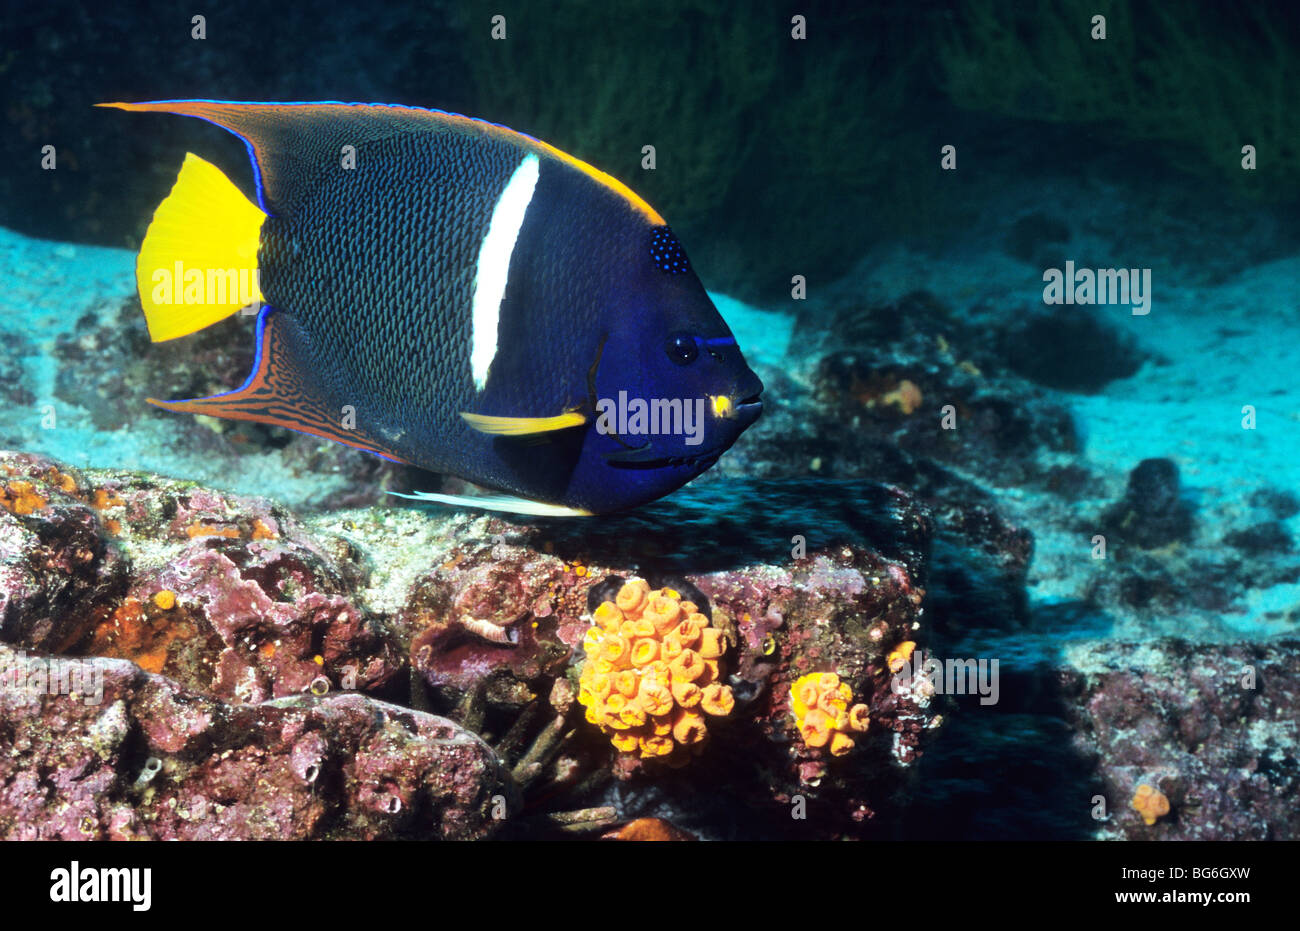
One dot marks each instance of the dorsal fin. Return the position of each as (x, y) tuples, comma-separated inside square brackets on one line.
[(276, 393), (290, 142)]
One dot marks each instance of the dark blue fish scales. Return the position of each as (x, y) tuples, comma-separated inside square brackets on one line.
[(448, 293)]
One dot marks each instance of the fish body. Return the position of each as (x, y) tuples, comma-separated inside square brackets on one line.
[(451, 294)]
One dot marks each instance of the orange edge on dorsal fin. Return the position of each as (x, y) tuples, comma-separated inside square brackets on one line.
[(271, 395)]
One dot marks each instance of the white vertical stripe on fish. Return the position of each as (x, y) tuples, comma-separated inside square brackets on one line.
[(494, 265)]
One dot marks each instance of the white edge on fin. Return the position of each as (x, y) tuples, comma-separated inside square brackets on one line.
[(506, 503)]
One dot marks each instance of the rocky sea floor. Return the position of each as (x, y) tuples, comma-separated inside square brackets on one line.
[(288, 651)]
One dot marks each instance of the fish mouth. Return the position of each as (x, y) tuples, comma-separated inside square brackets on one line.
[(745, 411)]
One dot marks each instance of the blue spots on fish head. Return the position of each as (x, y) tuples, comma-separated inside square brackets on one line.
[(666, 253)]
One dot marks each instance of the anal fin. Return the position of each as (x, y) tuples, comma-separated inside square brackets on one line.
[(276, 393)]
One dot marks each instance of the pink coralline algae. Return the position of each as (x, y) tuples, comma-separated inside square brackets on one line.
[(342, 766), (1208, 729)]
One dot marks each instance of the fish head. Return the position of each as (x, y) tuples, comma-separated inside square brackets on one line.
[(673, 389)]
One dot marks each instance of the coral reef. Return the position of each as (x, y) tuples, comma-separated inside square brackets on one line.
[(1211, 729), (247, 618), (150, 759)]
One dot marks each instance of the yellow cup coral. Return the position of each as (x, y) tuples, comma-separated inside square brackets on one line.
[(820, 702), (900, 656), (653, 672), (1150, 803)]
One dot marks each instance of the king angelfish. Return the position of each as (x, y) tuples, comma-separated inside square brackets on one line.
[(451, 294)]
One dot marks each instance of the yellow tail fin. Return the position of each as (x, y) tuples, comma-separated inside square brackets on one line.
[(198, 263)]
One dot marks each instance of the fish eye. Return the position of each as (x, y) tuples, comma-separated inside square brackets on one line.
[(682, 348)]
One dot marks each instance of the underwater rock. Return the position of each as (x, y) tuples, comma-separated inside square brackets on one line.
[(499, 623), (14, 386), (701, 529), (488, 618), (910, 393), (245, 606), (1195, 584), (58, 573), (234, 612), (1261, 539), (841, 611), (247, 622), (1212, 727), (1069, 348), (1278, 502), (1151, 513), (979, 565), (908, 378), (227, 595), (152, 760)]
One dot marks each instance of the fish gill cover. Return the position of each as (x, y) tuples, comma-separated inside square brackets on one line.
[(1010, 553)]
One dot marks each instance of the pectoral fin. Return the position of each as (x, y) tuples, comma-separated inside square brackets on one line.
[(523, 426)]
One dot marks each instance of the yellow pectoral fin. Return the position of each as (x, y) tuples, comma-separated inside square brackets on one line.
[(523, 426)]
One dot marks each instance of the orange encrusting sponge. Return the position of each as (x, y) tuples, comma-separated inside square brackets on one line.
[(653, 673), (820, 702)]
